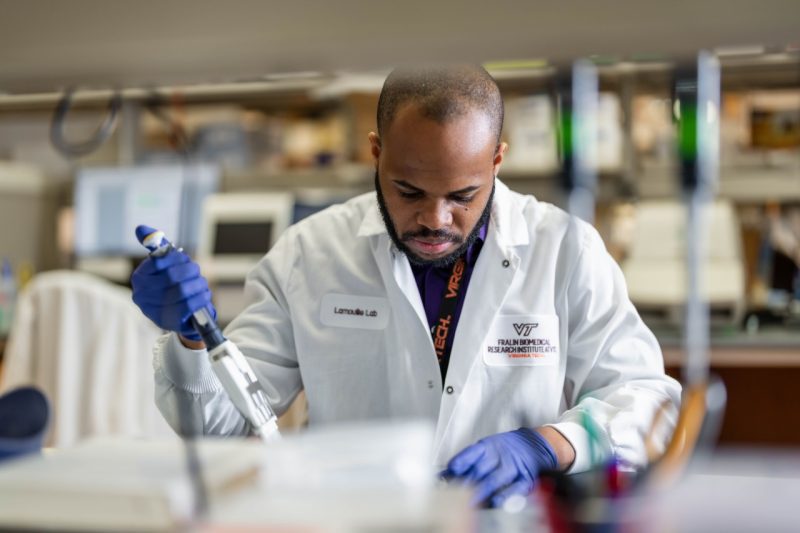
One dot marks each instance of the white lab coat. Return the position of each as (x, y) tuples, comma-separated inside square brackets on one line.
[(538, 266)]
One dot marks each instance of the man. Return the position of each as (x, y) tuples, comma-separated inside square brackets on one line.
[(442, 295)]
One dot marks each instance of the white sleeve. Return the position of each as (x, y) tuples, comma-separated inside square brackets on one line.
[(615, 380), (188, 391)]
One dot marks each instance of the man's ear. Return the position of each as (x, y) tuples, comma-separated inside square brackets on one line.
[(499, 154), (375, 143)]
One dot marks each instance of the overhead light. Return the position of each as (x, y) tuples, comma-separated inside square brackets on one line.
[(301, 75), (739, 51), (603, 61), (516, 64)]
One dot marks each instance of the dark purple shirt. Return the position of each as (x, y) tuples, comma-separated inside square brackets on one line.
[(432, 282)]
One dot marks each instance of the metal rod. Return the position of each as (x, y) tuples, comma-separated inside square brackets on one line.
[(581, 200), (700, 191)]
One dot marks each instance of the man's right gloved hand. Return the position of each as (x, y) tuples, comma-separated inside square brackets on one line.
[(169, 289)]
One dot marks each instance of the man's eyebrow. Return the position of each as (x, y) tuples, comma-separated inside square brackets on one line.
[(407, 185), (465, 190)]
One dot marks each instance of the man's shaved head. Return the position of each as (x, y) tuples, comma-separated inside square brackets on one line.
[(441, 94), (437, 152)]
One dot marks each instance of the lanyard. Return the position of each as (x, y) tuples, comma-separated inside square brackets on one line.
[(444, 330)]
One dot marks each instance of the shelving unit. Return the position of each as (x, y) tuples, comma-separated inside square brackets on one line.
[(350, 96)]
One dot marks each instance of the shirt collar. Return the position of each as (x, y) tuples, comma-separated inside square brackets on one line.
[(372, 223), (474, 249)]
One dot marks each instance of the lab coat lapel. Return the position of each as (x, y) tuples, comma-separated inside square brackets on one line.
[(411, 326), (491, 280), (487, 291), (397, 274), (393, 265)]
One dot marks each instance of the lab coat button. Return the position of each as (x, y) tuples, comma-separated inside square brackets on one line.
[(506, 262), (430, 384), (449, 389)]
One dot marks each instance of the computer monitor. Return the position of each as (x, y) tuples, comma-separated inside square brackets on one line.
[(238, 229), (111, 202)]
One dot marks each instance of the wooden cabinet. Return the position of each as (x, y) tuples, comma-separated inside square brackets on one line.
[(763, 385)]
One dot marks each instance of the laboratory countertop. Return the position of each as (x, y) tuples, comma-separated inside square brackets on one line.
[(772, 337), (729, 346), (131, 484)]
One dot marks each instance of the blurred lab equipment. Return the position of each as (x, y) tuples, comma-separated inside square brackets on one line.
[(227, 362), (225, 144), (8, 297), (357, 456), (780, 263), (365, 476), (604, 497), (528, 126), (109, 202), (578, 135), (101, 135), (697, 97), (775, 126), (654, 266), (24, 414), (81, 340), (698, 104), (609, 136), (356, 477), (237, 229), (28, 199), (119, 484), (311, 200)]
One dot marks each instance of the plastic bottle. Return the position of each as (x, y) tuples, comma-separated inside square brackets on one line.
[(8, 298)]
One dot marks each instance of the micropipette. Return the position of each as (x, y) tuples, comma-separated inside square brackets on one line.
[(228, 363)]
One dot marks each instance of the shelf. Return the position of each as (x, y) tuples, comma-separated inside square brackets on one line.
[(244, 91), (355, 175)]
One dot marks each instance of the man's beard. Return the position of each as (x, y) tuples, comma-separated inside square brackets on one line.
[(446, 260)]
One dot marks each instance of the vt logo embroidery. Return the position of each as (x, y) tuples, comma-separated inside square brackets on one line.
[(525, 328)]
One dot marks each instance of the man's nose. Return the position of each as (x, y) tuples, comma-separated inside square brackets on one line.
[(435, 215)]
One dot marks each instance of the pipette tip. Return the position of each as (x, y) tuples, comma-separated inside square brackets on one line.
[(150, 238)]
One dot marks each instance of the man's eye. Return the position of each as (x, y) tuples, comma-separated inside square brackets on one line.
[(462, 199), (409, 195)]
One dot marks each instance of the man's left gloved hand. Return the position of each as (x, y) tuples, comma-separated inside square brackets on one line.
[(502, 465)]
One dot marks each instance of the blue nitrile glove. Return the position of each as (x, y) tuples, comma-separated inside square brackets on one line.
[(169, 289), (503, 464)]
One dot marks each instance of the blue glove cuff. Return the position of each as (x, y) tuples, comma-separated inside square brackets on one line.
[(187, 330), (547, 454)]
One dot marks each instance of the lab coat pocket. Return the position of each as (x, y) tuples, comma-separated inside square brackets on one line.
[(522, 340)]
